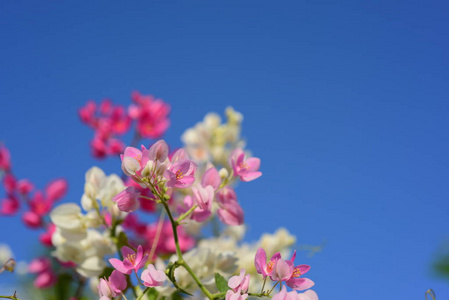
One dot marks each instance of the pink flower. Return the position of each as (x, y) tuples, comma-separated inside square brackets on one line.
[(239, 282), (10, 205), (24, 186), (45, 279), (260, 261), (39, 265), (151, 115), (127, 200), (230, 211), (282, 270), (45, 238), (56, 189), (146, 205), (178, 155), (204, 197), (198, 213), (112, 287), (212, 178), (181, 174), (293, 295), (134, 160), (9, 183), (246, 169), (31, 219), (232, 295), (152, 277), (40, 205), (158, 151), (5, 159), (131, 260), (297, 283)]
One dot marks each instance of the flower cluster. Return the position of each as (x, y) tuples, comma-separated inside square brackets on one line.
[(170, 226), (110, 122)]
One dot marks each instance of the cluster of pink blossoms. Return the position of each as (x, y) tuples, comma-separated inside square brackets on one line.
[(110, 122), (39, 203), (186, 189)]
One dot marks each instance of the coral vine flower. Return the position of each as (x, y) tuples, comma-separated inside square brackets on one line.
[(239, 282), (131, 260), (246, 169), (152, 277), (5, 159), (127, 200), (230, 211), (181, 174), (134, 160), (56, 189), (293, 295), (297, 283), (260, 261)]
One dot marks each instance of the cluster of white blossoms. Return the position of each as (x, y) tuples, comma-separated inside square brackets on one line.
[(213, 141), (78, 237)]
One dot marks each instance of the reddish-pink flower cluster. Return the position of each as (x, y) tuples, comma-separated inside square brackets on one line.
[(22, 191), (111, 121)]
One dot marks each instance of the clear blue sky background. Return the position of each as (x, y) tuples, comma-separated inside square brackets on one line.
[(345, 102)]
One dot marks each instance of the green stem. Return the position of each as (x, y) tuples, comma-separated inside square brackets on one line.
[(186, 214), (181, 261), (143, 293), (198, 282)]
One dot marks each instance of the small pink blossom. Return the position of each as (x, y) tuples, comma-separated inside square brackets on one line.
[(181, 174), (230, 212), (232, 295), (158, 151), (132, 261), (9, 183), (5, 159), (24, 186), (10, 205), (239, 282), (204, 197), (198, 213), (297, 283), (293, 295), (151, 115), (152, 277), (45, 279), (45, 238), (40, 205), (246, 169), (127, 200), (39, 265), (134, 160), (32, 219), (56, 189), (282, 270), (262, 266), (212, 178), (113, 286)]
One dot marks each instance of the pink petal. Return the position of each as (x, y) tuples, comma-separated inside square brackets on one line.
[(253, 164), (118, 265), (212, 178), (250, 176), (117, 281), (260, 261)]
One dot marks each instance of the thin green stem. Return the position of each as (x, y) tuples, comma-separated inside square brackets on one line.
[(186, 214), (273, 287), (196, 279), (175, 231), (143, 293), (263, 286)]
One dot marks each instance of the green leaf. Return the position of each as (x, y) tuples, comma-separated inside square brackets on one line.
[(222, 283), (122, 240)]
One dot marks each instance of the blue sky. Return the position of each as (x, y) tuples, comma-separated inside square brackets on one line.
[(345, 102)]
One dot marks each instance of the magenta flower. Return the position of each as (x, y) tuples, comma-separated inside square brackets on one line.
[(132, 261), (152, 277), (128, 199), (158, 151), (293, 295), (262, 266), (282, 270), (10, 205), (246, 169), (230, 212), (24, 186), (232, 295), (56, 189), (134, 160), (5, 159), (198, 213), (181, 174), (239, 282), (295, 282), (112, 287), (42, 267), (151, 115)]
